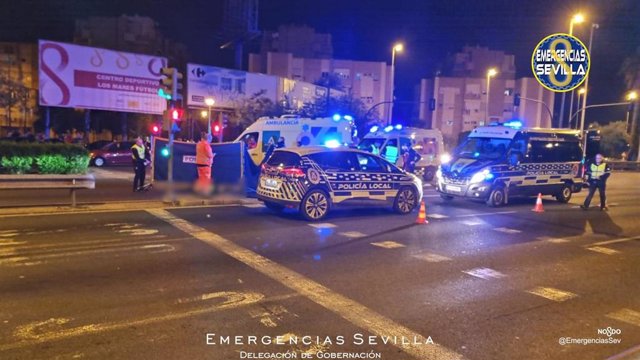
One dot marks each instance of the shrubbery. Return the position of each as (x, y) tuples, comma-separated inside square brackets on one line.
[(36, 158)]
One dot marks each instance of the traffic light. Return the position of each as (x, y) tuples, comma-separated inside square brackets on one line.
[(516, 100), (165, 151), (170, 86), (216, 129), (155, 129), (171, 119)]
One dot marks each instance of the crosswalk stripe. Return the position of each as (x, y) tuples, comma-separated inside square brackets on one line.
[(552, 294), (430, 257), (485, 273), (626, 315), (388, 244), (603, 250)]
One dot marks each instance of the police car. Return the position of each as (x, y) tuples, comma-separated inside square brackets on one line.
[(315, 179), (496, 163)]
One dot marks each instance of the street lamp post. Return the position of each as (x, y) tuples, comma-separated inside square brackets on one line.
[(575, 19), (490, 73), (399, 47), (209, 102), (581, 92), (586, 89), (632, 96)]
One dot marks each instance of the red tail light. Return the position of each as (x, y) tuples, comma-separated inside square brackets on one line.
[(293, 171)]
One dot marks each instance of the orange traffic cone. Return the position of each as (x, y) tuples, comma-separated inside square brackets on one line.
[(422, 215), (538, 207)]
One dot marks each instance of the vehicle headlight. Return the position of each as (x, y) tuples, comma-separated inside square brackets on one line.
[(445, 158), (481, 176)]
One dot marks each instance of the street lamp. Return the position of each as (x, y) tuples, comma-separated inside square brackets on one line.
[(398, 47), (490, 73), (575, 19), (209, 102)]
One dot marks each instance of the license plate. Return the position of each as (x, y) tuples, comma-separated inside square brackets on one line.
[(454, 188), (271, 183)]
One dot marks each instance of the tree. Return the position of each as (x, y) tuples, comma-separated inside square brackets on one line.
[(630, 70), (251, 108), (615, 139), (12, 94)]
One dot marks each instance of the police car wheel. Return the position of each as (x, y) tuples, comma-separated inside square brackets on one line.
[(406, 200), (315, 205), (98, 162), (497, 197), (273, 206), (565, 194)]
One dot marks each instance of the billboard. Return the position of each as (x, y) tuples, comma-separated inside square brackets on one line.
[(92, 78), (227, 87)]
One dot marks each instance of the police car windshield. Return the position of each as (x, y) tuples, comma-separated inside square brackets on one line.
[(483, 148)]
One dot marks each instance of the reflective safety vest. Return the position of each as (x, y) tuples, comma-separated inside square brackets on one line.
[(598, 170), (140, 150)]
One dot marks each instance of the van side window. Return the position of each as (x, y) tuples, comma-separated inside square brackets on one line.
[(555, 151), (569, 151), (541, 151)]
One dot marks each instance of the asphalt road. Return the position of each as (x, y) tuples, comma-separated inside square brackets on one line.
[(480, 283)]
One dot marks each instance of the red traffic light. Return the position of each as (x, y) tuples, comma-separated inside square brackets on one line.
[(216, 128), (155, 129), (176, 114)]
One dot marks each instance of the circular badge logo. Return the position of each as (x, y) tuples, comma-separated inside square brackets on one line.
[(314, 176), (560, 62)]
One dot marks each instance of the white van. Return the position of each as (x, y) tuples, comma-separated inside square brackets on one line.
[(332, 131), (388, 142)]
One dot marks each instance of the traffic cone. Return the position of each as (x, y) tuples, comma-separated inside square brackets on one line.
[(422, 215), (538, 207)]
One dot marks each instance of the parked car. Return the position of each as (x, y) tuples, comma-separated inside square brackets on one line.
[(315, 179), (114, 153), (96, 145)]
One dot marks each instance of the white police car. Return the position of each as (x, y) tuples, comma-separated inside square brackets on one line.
[(315, 179)]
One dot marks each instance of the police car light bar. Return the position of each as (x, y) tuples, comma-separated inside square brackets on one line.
[(332, 143), (348, 117), (388, 128), (399, 127), (373, 129), (337, 117)]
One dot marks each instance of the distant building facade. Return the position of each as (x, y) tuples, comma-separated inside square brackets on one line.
[(456, 104), (299, 40), (18, 86), (138, 34)]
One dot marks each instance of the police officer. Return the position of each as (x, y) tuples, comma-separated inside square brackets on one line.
[(597, 174), (141, 158)]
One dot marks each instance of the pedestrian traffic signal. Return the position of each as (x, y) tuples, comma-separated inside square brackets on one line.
[(176, 114), (164, 152), (170, 87), (216, 129), (516, 100), (155, 129)]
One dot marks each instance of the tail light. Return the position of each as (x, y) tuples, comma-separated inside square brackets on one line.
[(293, 172)]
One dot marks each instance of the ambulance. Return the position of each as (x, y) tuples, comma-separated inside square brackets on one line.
[(334, 131), (497, 163), (389, 141)]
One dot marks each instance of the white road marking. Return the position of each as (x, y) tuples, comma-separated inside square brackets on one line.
[(552, 294), (473, 222), (353, 234), (11, 242), (257, 205), (430, 257), (507, 230), (52, 329), (485, 273), (553, 240), (437, 216), (603, 250), (8, 235), (350, 310), (616, 241), (388, 244), (138, 232), (323, 225), (626, 315), (430, 196), (487, 213)]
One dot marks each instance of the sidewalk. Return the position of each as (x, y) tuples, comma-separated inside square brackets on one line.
[(182, 200)]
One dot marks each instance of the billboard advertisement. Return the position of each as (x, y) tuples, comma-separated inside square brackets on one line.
[(92, 78), (227, 87)]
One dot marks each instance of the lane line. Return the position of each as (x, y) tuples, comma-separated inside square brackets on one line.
[(603, 250), (437, 216), (552, 294), (616, 241), (350, 310), (388, 244), (487, 213), (626, 353), (352, 234), (508, 230), (323, 225), (626, 315), (485, 273)]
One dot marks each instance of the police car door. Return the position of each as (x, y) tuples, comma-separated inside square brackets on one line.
[(377, 181)]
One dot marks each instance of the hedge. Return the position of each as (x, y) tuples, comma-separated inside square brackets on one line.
[(37, 158)]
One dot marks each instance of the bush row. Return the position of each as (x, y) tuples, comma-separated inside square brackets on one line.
[(35, 158)]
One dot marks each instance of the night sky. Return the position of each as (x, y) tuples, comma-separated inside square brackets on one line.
[(365, 30)]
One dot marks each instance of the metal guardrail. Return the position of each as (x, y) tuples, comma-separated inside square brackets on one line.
[(624, 165), (35, 181)]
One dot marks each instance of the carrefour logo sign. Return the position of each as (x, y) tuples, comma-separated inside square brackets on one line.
[(560, 62)]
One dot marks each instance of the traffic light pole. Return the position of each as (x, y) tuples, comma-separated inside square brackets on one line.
[(171, 192)]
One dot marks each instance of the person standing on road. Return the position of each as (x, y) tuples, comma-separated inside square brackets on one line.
[(141, 158), (597, 174), (409, 159), (204, 160)]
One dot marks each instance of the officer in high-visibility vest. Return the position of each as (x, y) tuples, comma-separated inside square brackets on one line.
[(141, 158), (597, 174)]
